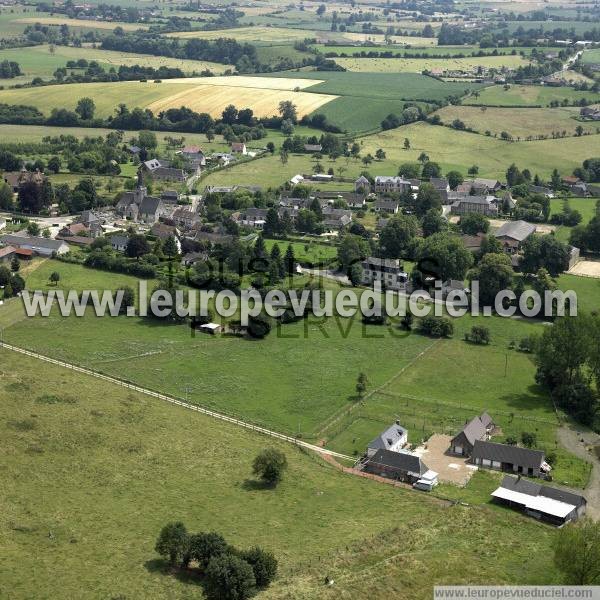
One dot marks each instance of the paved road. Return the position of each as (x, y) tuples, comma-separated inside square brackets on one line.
[(570, 438), (173, 400)]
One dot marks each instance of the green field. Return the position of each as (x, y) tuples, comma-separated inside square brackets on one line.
[(367, 98), (528, 95), (459, 150), (418, 65), (309, 252), (430, 50), (66, 438), (38, 61), (518, 122), (591, 57)]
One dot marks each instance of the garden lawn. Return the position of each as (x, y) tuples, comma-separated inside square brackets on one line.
[(67, 439)]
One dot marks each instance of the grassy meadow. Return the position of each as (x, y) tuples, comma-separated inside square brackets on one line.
[(528, 95), (518, 122), (145, 463), (39, 61), (459, 150)]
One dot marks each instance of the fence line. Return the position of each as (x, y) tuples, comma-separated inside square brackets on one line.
[(176, 401)]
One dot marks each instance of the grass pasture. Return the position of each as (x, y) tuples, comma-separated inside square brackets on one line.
[(418, 65), (591, 57), (459, 150), (204, 94), (528, 95), (518, 122), (64, 443)]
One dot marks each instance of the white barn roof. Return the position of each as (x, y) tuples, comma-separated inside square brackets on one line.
[(542, 504)]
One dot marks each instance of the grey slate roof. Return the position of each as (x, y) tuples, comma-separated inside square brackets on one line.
[(388, 438), (150, 205), (401, 461), (33, 241), (517, 230), (524, 486), (515, 455), (475, 429)]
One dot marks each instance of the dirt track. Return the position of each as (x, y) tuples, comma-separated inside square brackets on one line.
[(570, 438)]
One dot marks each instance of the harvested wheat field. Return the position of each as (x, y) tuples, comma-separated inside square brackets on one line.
[(212, 99), (270, 83)]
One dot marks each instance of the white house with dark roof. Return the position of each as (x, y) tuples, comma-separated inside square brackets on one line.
[(400, 466), (388, 272), (395, 184), (394, 438)]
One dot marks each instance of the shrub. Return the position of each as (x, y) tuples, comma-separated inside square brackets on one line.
[(436, 326)]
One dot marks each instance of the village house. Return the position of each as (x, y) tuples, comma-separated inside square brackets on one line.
[(150, 210), (513, 234), (485, 205), (313, 148), (394, 438), (539, 189), (503, 457), (397, 185), (399, 466), (388, 206), (194, 158), (7, 254), (163, 231), (185, 217), (2, 224), (478, 428), (38, 245), (388, 272), (480, 185), (161, 170), (119, 242), (92, 223), (440, 184), (252, 217), (169, 197), (362, 185), (239, 148), (473, 242), (14, 179), (543, 502)]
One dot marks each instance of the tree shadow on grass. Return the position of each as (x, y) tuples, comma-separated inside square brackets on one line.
[(251, 485), (162, 567), (534, 397)]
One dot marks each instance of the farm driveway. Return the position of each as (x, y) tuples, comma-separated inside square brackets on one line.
[(451, 469), (570, 438)]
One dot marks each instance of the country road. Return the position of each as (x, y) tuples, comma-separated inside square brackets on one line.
[(176, 401), (570, 438)]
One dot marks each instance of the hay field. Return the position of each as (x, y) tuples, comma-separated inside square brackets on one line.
[(84, 23), (379, 38), (210, 95), (249, 34), (418, 65)]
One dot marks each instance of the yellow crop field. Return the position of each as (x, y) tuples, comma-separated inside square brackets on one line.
[(271, 83), (87, 23), (213, 99), (204, 94), (379, 38)]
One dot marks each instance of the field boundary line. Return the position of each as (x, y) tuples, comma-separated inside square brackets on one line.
[(344, 412), (176, 401)]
